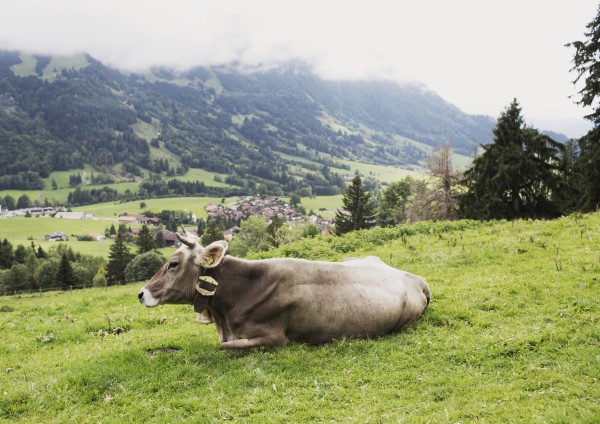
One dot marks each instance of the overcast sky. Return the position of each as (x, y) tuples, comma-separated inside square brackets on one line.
[(476, 54)]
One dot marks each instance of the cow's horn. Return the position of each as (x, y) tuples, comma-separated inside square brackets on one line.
[(185, 239)]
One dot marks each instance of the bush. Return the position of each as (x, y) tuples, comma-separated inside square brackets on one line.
[(47, 274), (144, 266), (323, 248), (99, 280), (83, 276)]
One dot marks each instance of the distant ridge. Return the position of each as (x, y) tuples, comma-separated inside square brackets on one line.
[(279, 130)]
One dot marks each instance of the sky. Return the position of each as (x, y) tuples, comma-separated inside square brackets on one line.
[(478, 55)]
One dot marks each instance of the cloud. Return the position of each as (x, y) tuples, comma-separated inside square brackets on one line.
[(477, 55)]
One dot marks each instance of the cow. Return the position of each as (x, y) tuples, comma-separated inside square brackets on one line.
[(269, 302)]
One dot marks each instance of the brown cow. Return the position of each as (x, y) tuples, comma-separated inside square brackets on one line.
[(268, 302)]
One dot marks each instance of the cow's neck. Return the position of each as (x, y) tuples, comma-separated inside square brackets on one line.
[(206, 287), (235, 279)]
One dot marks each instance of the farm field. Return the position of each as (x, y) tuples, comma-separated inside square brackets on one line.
[(21, 230), (512, 335), (114, 209)]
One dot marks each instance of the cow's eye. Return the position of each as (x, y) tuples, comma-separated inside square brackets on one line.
[(173, 264)]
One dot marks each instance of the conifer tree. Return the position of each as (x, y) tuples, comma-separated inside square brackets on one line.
[(64, 274), (586, 64), (359, 211), (518, 175), (145, 240), (160, 240), (118, 259), (7, 256)]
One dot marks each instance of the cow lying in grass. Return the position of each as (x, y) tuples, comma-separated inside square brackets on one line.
[(268, 302)]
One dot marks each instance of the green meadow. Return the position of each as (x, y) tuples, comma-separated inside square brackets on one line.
[(21, 230), (512, 335)]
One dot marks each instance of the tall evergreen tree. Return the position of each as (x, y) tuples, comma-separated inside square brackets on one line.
[(586, 64), (145, 240), (359, 211), (20, 254), (160, 240), (118, 259), (7, 256), (518, 175), (64, 274), (32, 264)]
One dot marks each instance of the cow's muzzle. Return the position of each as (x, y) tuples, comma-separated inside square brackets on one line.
[(146, 298)]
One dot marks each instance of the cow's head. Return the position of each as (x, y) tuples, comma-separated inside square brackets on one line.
[(174, 283)]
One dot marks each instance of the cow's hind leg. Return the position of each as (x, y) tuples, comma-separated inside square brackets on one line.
[(278, 340)]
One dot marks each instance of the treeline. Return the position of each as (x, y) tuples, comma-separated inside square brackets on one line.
[(523, 174), (25, 180), (31, 269)]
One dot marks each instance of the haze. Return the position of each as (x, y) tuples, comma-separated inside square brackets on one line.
[(477, 55)]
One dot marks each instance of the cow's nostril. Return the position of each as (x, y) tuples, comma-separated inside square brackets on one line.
[(140, 295)]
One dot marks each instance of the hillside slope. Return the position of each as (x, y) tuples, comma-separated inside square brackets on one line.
[(512, 334), (62, 113)]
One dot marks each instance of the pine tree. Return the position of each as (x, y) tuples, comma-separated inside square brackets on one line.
[(64, 274), (145, 240), (160, 240), (32, 264), (359, 211), (586, 64), (518, 175), (118, 259), (7, 256)]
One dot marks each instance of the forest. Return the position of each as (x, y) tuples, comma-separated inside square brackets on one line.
[(88, 116)]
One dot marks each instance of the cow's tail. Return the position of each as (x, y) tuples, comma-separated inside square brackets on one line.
[(426, 291)]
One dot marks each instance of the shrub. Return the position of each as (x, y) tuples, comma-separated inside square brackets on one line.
[(144, 266)]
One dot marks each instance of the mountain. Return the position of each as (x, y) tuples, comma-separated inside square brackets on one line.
[(276, 130)]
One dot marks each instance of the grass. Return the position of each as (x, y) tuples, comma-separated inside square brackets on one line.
[(196, 174), (23, 231), (113, 209), (329, 203), (26, 67), (512, 335), (28, 63)]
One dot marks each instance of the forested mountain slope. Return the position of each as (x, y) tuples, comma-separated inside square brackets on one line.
[(256, 127)]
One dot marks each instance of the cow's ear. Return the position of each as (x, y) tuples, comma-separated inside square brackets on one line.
[(213, 254)]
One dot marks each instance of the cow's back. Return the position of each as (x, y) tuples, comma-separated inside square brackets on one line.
[(354, 298)]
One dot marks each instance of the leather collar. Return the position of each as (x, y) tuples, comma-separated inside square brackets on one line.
[(205, 289)]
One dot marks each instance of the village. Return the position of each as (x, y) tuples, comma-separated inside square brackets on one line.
[(267, 208), (234, 213)]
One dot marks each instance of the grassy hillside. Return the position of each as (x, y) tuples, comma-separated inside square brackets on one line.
[(512, 335)]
